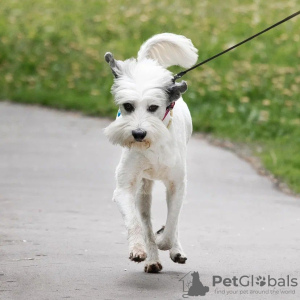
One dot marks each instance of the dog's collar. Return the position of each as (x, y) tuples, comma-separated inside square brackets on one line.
[(169, 109)]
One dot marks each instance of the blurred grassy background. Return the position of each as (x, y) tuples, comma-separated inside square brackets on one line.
[(51, 53)]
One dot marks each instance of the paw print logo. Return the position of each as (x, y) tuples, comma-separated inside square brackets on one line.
[(261, 281)]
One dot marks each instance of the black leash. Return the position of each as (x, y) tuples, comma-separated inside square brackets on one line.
[(180, 74)]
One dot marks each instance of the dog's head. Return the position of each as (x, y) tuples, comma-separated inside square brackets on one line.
[(143, 89)]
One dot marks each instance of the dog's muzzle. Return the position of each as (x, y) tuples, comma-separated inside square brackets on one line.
[(139, 134)]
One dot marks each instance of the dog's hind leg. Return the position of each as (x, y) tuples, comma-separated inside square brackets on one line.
[(167, 238), (176, 252), (143, 202)]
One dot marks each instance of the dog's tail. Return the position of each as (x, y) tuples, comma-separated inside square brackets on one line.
[(169, 50)]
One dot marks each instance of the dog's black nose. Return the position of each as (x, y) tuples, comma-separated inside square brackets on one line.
[(139, 134)]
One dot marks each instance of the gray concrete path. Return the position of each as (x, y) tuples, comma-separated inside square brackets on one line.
[(63, 238)]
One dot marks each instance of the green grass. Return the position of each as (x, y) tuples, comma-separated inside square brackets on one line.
[(51, 53)]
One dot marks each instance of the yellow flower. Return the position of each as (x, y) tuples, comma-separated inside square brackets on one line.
[(215, 88), (288, 103), (287, 92), (282, 120), (230, 87), (266, 102), (295, 122), (95, 93), (264, 115), (230, 109), (71, 85), (294, 87), (244, 99), (9, 77), (144, 18), (97, 18)]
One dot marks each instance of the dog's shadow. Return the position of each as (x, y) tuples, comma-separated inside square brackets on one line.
[(166, 281)]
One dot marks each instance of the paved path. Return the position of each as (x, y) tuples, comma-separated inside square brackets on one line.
[(62, 237)]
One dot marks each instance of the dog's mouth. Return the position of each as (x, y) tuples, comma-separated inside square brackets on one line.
[(140, 144), (139, 140)]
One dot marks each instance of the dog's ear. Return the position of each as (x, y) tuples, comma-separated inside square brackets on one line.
[(169, 49), (115, 65), (175, 90)]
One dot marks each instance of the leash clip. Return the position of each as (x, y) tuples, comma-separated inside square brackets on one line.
[(177, 76)]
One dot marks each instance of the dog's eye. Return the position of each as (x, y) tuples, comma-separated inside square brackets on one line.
[(128, 107), (152, 108)]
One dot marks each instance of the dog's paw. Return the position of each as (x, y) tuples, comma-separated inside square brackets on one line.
[(153, 267), (178, 257), (138, 253), (162, 242)]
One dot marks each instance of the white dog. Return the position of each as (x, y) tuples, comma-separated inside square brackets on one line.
[(154, 139)]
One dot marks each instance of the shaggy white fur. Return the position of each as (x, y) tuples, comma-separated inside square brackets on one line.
[(142, 89), (169, 49)]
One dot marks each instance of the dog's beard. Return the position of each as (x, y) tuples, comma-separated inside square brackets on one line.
[(119, 132)]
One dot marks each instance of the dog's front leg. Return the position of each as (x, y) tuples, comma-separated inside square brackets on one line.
[(167, 238), (124, 195), (143, 201)]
